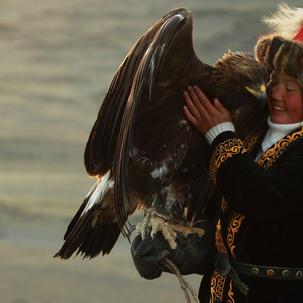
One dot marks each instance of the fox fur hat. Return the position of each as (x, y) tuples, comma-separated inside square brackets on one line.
[(282, 50)]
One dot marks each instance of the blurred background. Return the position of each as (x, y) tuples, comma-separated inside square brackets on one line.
[(57, 59)]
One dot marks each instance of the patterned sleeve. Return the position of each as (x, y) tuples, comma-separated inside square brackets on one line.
[(223, 151), (258, 189)]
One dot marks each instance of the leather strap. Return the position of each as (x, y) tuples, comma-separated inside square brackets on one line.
[(270, 272)]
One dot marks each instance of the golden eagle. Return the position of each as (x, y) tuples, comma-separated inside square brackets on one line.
[(143, 152)]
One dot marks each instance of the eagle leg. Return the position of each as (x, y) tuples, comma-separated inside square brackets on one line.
[(153, 223)]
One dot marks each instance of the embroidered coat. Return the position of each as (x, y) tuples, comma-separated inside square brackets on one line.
[(261, 217)]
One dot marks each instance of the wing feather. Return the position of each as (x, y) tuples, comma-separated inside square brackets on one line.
[(101, 145), (167, 67)]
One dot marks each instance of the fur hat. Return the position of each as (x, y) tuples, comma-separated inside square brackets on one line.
[(283, 48)]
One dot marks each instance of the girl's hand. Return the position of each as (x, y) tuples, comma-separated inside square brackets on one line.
[(201, 112)]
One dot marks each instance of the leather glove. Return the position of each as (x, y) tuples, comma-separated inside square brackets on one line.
[(193, 254), (149, 255)]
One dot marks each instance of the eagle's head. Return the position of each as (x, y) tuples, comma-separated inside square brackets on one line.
[(240, 84)]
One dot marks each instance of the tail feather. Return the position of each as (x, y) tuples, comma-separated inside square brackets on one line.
[(90, 240), (75, 219), (94, 246), (109, 240), (94, 229), (80, 211)]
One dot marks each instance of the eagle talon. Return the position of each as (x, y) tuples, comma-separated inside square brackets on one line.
[(145, 227), (153, 223)]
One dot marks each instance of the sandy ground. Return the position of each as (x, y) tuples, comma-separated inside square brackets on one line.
[(57, 59)]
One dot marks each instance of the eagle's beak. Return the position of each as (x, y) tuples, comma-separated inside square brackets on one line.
[(259, 93)]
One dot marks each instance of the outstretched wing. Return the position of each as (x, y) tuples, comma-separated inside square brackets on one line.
[(101, 145), (154, 137)]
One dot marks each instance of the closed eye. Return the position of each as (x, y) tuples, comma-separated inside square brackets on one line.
[(291, 89)]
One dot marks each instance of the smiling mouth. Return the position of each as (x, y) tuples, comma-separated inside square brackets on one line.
[(279, 108)]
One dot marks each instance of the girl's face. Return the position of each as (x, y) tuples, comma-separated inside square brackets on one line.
[(285, 100)]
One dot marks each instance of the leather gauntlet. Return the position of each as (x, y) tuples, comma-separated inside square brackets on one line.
[(193, 254)]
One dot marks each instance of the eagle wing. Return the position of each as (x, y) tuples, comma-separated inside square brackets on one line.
[(155, 137), (102, 142)]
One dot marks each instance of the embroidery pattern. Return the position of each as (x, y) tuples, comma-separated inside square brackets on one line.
[(272, 154), (223, 151), (218, 280), (230, 293), (217, 287), (219, 239), (251, 141), (234, 226)]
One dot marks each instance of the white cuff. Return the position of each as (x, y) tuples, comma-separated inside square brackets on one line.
[(217, 130)]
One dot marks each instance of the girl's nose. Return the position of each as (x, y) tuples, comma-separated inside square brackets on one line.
[(276, 92)]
